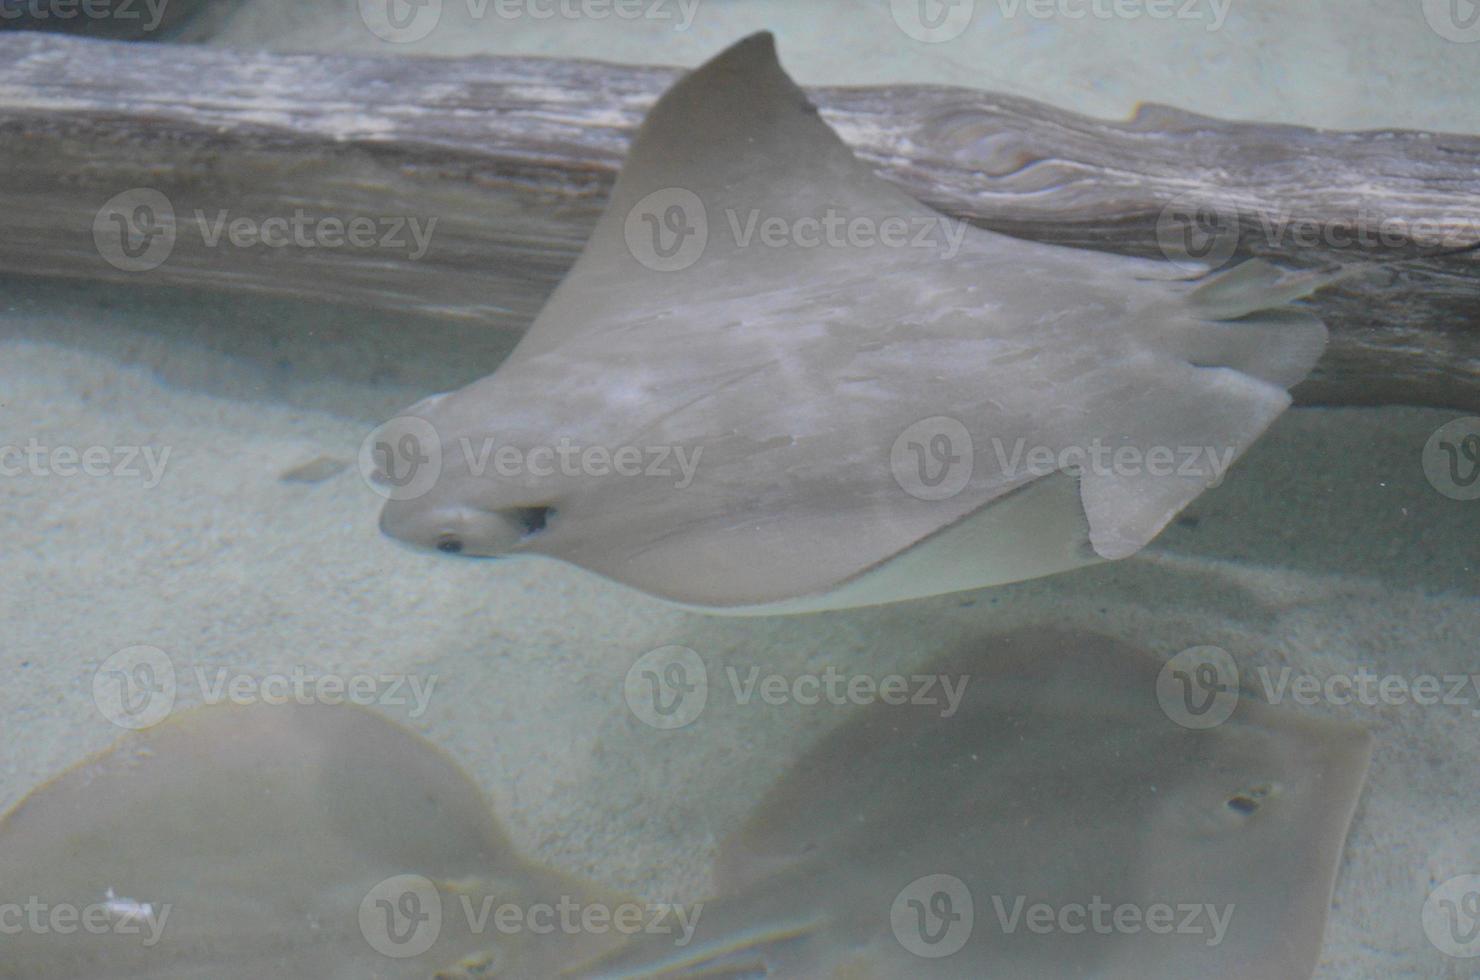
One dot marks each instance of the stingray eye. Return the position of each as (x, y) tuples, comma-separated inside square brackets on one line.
[(531, 520), (1250, 800), (447, 544)]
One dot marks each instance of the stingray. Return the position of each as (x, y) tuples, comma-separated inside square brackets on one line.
[(774, 382), (245, 842), (255, 839), (919, 842)]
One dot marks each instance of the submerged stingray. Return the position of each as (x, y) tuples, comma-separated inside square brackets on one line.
[(915, 841), (775, 382), (241, 843)]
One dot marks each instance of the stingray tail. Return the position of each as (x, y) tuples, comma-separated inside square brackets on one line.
[(752, 934)]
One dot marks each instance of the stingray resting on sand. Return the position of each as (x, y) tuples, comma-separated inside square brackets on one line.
[(773, 382), (1059, 823)]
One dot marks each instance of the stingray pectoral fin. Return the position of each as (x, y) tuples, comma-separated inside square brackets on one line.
[(1278, 346), (1133, 490), (1240, 350)]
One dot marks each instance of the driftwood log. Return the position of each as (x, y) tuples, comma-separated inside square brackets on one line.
[(514, 157)]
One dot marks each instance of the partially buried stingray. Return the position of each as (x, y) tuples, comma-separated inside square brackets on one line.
[(773, 382), (921, 840)]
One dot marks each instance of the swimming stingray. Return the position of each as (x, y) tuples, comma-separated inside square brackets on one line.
[(823, 393), (914, 841)]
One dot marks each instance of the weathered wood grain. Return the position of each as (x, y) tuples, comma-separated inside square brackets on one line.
[(514, 157)]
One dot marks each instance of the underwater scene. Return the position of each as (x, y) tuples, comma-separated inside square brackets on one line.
[(740, 488)]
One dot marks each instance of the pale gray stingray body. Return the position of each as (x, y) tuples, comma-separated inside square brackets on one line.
[(249, 842), (1059, 783), (242, 843), (757, 302)]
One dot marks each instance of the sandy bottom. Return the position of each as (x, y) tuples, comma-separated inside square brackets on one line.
[(1326, 550)]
